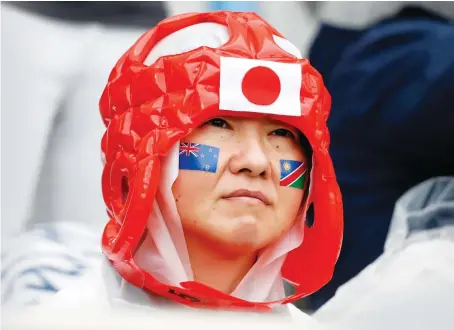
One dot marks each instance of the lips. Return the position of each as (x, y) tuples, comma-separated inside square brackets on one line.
[(249, 194)]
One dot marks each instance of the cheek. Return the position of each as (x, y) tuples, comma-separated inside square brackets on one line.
[(192, 191), (290, 201), (286, 149)]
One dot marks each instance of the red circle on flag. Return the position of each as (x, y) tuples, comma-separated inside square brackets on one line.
[(261, 85)]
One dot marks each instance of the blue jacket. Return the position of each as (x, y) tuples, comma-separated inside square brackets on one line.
[(391, 124)]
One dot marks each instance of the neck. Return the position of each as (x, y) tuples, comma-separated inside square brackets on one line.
[(216, 269)]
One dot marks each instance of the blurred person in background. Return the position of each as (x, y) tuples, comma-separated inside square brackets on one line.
[(56, 58), (209, 173), (390, 69)]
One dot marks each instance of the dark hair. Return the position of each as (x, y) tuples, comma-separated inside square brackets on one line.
[(307, 149)]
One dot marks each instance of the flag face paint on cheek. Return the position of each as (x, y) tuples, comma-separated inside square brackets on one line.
[(293, 173), (198, 157)]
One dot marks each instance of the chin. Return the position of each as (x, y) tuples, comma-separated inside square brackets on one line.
[(235, 249), (243, 240)]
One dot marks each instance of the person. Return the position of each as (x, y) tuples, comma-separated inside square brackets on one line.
[(216, 148), (411, 285), (389, 68), (56, 56), (55, 59)]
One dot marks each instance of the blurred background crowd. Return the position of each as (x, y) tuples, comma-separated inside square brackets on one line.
[(389, 67)]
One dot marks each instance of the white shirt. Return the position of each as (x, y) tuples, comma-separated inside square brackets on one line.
[(102, 298), (411, 285)]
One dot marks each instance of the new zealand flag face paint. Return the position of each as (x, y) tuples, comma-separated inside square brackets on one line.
[(293, 173), (198, 157)]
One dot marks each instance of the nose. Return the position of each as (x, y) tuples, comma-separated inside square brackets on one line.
[(251, 158)]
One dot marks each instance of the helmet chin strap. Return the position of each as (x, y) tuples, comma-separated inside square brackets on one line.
[(164, 253)]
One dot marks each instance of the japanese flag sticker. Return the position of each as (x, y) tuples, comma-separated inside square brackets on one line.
[(260, 86)]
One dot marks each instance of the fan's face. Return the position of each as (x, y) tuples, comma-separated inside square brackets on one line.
[(235, 187)]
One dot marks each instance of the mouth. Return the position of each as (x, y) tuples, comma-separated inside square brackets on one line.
[(248, 196)]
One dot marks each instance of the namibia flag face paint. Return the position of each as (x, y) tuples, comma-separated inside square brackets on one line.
[(293, 173)]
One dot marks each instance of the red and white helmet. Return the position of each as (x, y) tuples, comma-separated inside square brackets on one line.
[(148, 108)]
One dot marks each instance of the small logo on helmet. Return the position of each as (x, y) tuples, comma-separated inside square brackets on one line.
[(185, 296)]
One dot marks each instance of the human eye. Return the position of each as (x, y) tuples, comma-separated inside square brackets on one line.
[(284, 133), (218, 122)]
